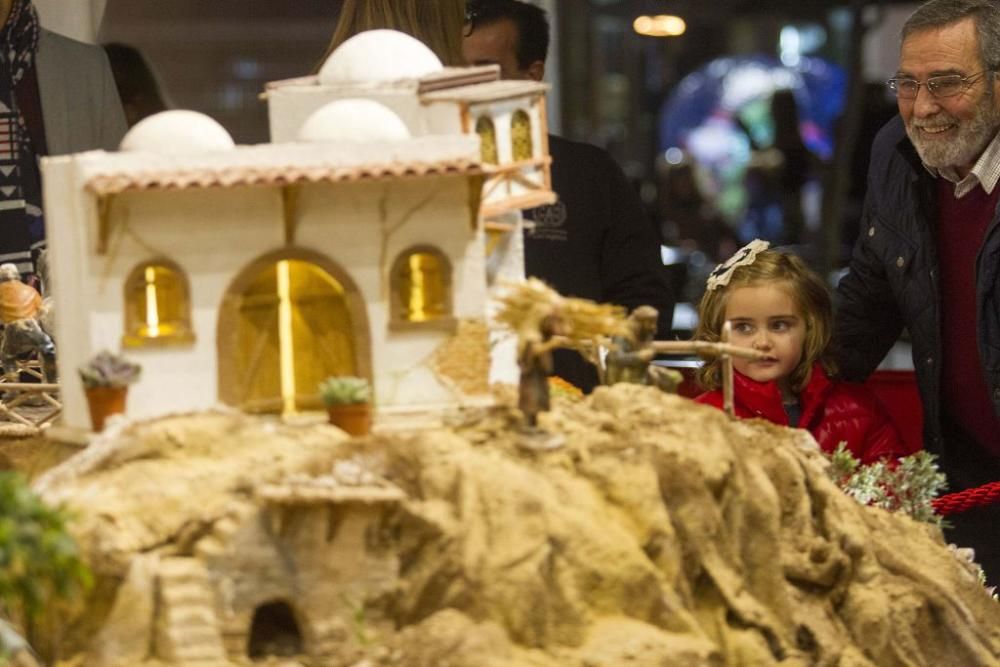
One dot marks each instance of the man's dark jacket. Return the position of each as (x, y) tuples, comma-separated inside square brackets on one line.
[(893, 281), (595, 243)]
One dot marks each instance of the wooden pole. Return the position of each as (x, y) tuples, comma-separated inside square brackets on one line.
[(727, 373), (29, 386), (705, 349)]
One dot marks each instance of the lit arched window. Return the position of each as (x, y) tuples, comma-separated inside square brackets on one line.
[(488, 140), (157, 306), (421, 287), (520, 136)]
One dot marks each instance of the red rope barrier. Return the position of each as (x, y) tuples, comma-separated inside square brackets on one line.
[(956, 503)]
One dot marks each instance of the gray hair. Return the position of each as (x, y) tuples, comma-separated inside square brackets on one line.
[(940, 13), (9, 271)]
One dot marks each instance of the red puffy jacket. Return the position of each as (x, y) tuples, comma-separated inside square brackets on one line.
[(832, 411)]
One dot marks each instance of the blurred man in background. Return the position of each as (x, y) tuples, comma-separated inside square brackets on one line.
[(594, 242)]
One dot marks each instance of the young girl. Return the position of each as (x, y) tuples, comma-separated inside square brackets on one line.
[(777, 305)]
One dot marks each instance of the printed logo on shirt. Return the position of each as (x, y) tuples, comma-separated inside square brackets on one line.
[(550, 222)]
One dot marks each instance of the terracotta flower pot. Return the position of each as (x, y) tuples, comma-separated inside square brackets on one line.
[(104, 402), (355, 418)]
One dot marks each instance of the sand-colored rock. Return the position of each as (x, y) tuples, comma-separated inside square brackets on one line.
[(23, 449), (662, 533)]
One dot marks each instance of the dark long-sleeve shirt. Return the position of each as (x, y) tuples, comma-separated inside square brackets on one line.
[(595, 243)]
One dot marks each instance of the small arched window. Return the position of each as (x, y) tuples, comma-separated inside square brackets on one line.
[(157, 306), (520, 136), (421, 287), (487, 140)]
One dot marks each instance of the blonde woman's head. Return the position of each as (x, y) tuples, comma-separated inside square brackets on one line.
[(436, 23)]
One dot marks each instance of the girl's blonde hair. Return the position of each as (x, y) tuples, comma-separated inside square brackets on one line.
[(436, 23), (806, 288)]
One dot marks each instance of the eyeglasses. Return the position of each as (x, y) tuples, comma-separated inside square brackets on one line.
[(946, 85), (471, 15)]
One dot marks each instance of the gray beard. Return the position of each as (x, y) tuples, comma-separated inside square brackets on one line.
[(973, 137)]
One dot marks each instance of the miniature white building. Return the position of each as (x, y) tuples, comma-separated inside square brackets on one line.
[(400, 72), (245, 275)]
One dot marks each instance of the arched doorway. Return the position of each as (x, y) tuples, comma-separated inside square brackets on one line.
[(287, 322), (274, 632)]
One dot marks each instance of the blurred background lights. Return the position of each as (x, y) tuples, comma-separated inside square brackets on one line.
[(662, 25)]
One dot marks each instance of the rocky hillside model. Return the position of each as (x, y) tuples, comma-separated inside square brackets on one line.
[(659, 533)]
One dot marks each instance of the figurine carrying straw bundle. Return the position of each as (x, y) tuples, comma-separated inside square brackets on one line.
[(544, 320), (777, 306)]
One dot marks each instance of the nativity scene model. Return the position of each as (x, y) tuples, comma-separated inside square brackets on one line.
[(247, 275), (371, 256)]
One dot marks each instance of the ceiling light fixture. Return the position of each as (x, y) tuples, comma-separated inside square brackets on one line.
[(662, 25)]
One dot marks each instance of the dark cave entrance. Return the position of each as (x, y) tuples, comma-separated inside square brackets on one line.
[(274, 632)]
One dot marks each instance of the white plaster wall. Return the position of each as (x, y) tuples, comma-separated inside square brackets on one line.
[(289, 108), (343, 221), (507, 264), (502, 114), (212, 235), (69, 216), (444, 118)]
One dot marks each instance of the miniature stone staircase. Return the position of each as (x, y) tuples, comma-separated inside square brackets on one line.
[(330, 637), (187, 629)]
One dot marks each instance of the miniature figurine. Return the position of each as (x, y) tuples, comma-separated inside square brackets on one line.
[(543, 321), (536, 340), (630, 355), (20, 308)]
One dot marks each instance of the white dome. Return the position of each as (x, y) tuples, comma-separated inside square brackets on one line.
[(379, 55), (353, 120), (172, 132)]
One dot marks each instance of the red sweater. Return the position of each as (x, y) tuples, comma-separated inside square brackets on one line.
[(832, 411), (961, 229)]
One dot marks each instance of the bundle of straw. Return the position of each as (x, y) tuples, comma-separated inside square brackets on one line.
[(582, 321)]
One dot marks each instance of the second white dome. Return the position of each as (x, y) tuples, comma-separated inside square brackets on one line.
[(379, 55)]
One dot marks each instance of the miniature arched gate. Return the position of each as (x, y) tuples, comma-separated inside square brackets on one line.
[(287, 321), (274, 632)]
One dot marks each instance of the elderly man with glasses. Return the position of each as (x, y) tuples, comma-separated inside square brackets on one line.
[(928, 256)]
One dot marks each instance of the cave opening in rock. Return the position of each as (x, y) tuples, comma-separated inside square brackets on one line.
[(274, 632)]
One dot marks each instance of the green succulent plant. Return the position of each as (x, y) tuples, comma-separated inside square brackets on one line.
[(345, 390), (109, 370)]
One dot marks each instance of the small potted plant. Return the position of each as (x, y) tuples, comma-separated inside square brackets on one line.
[(106, 378), (348, 402)]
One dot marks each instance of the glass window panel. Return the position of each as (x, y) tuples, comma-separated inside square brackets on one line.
[(422, 283), (294, 330), (520, 131), (488, 140), (157, 306)]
